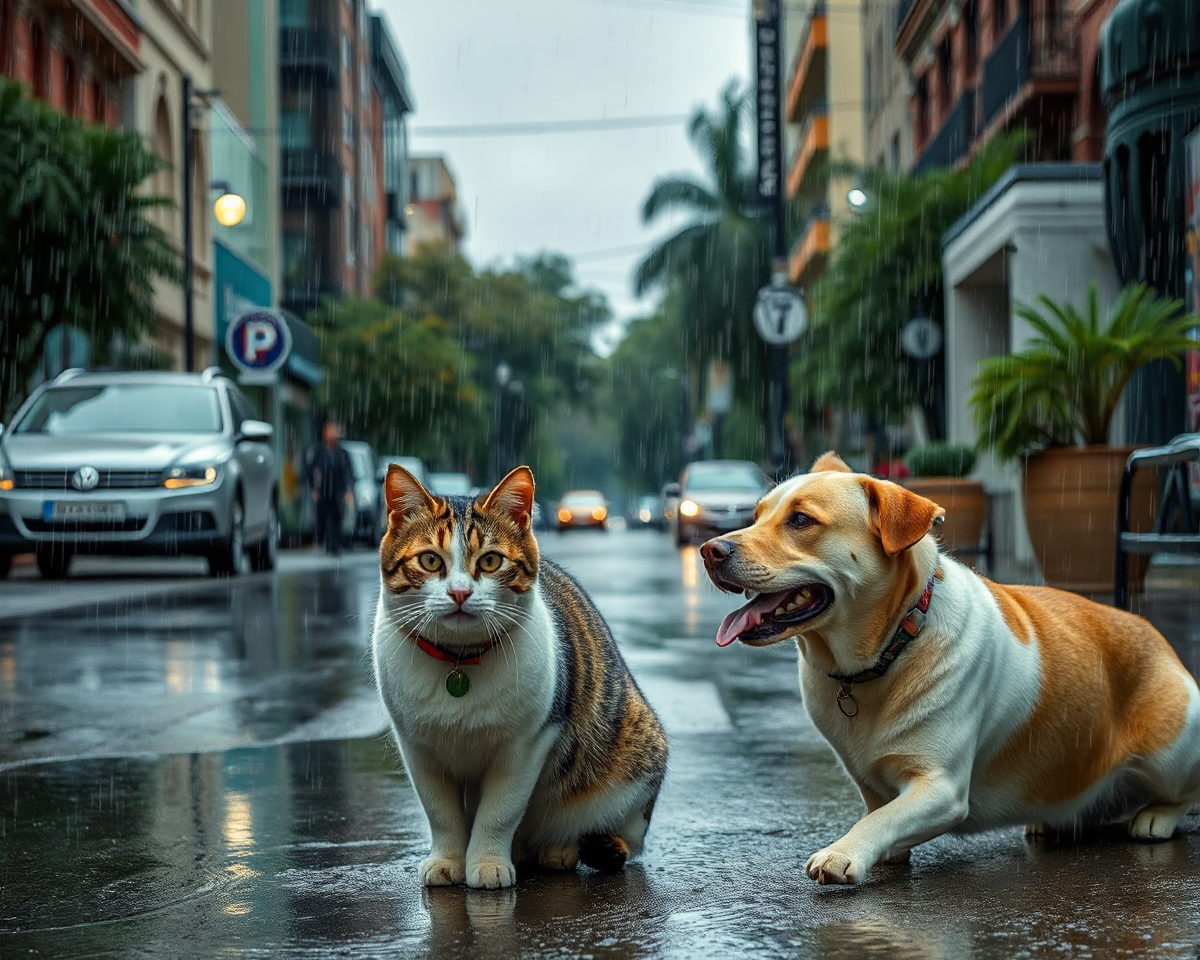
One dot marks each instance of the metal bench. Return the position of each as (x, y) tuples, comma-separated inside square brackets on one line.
[(1176, 526)]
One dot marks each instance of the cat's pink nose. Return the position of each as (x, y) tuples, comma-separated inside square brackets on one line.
[(459, 596)]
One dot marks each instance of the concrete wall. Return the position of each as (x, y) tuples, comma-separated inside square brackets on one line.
[(1037, 237)]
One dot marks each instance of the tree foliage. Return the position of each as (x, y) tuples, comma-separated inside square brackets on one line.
[(886, 264), (1063, 386), (79, 247)]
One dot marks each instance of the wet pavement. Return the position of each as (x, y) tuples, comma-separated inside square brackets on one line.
[(190, 768)]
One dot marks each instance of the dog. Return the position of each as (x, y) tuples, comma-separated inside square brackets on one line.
[(955, 704)]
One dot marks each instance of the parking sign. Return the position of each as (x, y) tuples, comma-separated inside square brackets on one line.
[(258, 342)]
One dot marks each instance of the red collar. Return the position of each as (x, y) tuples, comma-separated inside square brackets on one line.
[(446, 656)]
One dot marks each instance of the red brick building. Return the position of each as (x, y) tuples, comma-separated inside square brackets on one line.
[(76, 55), (983, 66)]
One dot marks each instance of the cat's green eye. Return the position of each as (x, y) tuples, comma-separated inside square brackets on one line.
[(490, 562), (430, 561)]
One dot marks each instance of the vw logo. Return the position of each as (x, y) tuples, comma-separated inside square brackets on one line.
[(85, 478)]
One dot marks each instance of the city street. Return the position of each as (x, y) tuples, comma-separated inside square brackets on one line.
[(199, 768)]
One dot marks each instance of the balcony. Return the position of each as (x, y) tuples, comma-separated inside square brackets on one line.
[(811, 252), (1051, 59), (309, 51), (310, 177), (953, 140), (808, 76), (814, 147)]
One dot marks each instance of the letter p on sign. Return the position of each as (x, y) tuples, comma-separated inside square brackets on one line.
[(258, 342)]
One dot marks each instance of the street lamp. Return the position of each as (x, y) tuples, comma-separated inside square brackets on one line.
[(857, 199), (189, 254), (229, 208)]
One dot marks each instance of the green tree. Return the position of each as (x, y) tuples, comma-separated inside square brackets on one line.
[(717, 261), (79, 247), (886, 264)]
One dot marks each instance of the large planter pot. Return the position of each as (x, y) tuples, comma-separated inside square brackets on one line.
[(965, 504), (1071, 513)]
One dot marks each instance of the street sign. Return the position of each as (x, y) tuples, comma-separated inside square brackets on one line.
[(767, 90), (780, 316), (921, 338), (258, 342)]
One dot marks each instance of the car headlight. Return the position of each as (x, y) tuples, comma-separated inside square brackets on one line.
[(6, 478), (564, 515), (689, 508), (201, 476)]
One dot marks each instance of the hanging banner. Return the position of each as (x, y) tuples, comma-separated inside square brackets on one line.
[(770, 137)]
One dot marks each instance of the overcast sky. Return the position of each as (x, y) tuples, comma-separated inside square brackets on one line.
[(506, 61)]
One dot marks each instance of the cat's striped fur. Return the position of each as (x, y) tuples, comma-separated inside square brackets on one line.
[(553, 756)]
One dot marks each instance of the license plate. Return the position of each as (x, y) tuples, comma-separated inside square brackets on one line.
[(60, 511)]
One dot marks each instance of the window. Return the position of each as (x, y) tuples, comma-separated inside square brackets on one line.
[(970, 35), (999, 18), (347, 126), (921, 120), (294, 254), (99, 102), (6, 38), (345, 50), (241, 409), (895, 159), (296, 129), (38, 56), (293, 14), (127, 408), (71, 98), (945, 72), (351, 219), (362, 81)]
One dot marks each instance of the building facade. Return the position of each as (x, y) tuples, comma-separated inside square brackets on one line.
[(392, 103), (887, 134), (433, 215), (79, 56), (825, 104)]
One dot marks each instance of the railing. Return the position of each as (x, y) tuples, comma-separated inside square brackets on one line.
[(308, 49), (1023, 55), (309, 168), (953, 139)]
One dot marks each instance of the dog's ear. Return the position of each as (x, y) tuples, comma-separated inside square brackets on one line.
[(899, 517), (830, 462)]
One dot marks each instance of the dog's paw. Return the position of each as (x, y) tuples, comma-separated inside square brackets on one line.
[(491, 873), (832, 866), (438, 871), (560, 857)]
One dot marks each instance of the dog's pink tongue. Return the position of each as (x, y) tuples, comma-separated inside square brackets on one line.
[(745, 618)]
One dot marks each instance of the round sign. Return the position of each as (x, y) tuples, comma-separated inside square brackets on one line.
[(258, 341), (780, 316), (921, 338)]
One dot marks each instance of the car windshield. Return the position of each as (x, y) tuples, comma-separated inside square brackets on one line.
[(124, 408), (360, 463), (583, 498), (733, 479)]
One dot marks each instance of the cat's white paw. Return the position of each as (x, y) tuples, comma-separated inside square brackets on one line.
[(491, 873), (561, 857), (439, 871), (832, 866)]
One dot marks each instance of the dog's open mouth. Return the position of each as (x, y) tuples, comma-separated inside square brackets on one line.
[(766, 618)]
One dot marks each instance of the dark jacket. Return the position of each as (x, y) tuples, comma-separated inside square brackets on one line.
[(329, 471)]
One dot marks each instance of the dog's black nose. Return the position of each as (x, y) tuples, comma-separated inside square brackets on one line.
[(717, 551)]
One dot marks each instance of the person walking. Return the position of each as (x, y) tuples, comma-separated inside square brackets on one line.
[(331, 486)]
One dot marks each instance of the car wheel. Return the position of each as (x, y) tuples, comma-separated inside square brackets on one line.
[(53, 560), (264, 553), (228, 559)]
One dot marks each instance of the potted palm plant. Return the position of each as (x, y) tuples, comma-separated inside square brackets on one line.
[(1051, 405), (940, 472)]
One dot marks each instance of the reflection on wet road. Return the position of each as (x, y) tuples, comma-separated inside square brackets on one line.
[(199, 772)]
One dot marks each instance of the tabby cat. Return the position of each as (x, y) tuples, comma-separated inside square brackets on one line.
[(521, 728)]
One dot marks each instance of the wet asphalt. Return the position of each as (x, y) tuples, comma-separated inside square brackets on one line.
[(192, 768)]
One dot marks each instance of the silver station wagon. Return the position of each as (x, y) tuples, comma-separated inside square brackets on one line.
[(138, 463)]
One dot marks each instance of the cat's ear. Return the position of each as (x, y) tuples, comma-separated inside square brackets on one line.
[(404, 494), (513, 495)]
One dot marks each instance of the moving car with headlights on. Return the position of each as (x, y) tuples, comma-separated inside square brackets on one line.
[(646, 511), (582, 508), (716, 496), (138, 463)]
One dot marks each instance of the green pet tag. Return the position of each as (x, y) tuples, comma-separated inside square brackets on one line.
[(457, 683)]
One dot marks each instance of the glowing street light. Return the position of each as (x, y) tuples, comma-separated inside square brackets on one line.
[(229, 209)]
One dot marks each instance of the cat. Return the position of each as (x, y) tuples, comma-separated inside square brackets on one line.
[(520, 726)]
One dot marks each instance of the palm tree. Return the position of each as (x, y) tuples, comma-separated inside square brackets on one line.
[(720, 258)]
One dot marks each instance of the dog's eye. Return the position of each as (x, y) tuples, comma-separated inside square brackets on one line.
[(800, 520)]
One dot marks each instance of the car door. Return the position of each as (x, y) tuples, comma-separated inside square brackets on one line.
[(255, 459)]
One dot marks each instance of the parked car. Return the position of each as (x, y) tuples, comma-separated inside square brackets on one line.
[(716, 496), (413, 465), (582, 508), (368, 493), (646, 512), (138, 463), (669, 500), (450, 484)]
